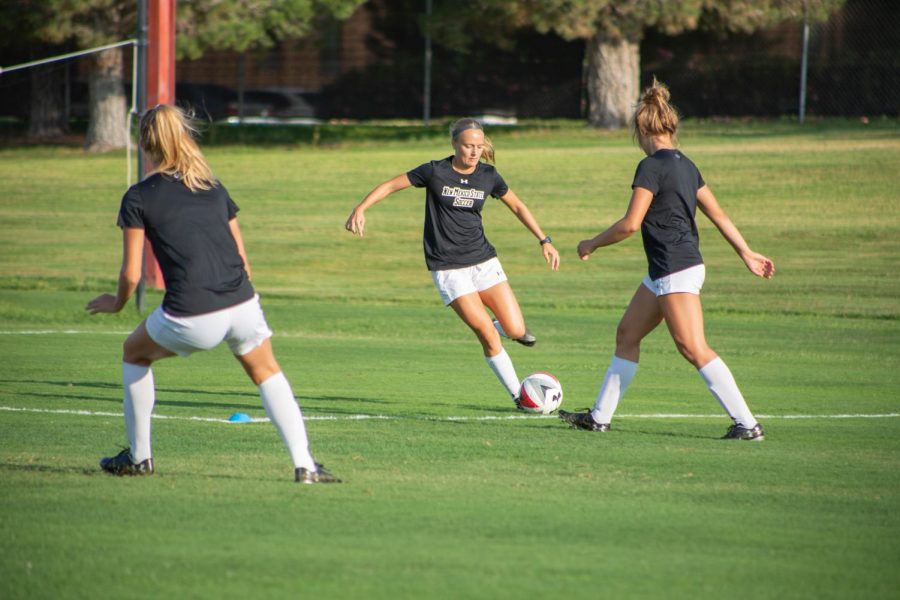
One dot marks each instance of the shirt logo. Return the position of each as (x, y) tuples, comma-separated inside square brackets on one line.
[(464, 198), (466, 181)]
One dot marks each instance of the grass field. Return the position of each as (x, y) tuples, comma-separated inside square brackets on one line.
[(449, 493)]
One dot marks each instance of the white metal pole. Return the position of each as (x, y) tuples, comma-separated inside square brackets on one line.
[(426, 93), (803, 65)]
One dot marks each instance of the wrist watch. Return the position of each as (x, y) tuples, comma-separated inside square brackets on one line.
[(546, 240)]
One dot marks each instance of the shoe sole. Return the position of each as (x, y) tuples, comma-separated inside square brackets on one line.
[(574, 425)]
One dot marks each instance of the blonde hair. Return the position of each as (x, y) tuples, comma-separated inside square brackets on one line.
[(654, 115), (462, 125), (167, 136)]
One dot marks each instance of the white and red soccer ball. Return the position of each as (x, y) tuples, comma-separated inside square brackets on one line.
[(540, 393)]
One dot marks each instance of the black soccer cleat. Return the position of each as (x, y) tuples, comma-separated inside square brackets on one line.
[(527, 339), (122, 464), (320, 475), (739, 432), (582, 421), (519, 407)]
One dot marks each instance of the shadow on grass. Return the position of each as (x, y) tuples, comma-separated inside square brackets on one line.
[(50, 469), (97, 471), (102, 385), (621, 432)]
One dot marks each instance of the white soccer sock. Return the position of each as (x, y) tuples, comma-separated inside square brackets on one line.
[(721, 383), (140, 395), (502, 366), (615, 382), (284, 412), (499, 328)]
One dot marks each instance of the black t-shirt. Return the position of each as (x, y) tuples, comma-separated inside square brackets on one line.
[(192, 241), (454, 235), (669, 230)]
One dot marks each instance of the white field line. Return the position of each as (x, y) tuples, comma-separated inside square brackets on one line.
[(63, 332), (360, 417)]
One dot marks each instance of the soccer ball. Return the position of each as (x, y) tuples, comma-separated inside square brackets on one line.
[(540, 393)]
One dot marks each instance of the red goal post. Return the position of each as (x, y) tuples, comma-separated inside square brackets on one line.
[(158, 25)]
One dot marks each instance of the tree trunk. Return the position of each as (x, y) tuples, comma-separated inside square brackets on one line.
[(613, 81), (106, 127), (47, 116)]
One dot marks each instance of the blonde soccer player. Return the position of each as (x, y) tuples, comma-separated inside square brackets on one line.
[(191, 223), (666, 191), (463, 263)]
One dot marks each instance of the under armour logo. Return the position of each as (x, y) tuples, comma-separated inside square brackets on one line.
[(464, 181)]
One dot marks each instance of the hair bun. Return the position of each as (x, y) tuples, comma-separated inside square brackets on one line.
[(656, 94)]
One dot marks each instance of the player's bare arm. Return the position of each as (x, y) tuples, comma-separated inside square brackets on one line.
[(758, 264), (624, 227), (239, 240), (518, 208), (356, 222), (129, 276)]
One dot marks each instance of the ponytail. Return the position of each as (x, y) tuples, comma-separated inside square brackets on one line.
[(654, 115), (167, 137)]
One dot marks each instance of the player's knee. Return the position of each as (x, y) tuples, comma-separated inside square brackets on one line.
[(490, 340), (626, 337), (260, 375), (515, 330), (132, 354), (693, 353)]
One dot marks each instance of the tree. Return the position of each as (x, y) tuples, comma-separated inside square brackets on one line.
[(87, 24), (613, 30), (200, 25), (243, 25), (18, 20)]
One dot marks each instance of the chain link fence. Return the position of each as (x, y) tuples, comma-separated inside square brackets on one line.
[(377, 71), (853, 66), (854, 61)]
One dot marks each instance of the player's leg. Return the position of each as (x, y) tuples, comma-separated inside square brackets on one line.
[(684, 318), (279, 401), (139, 352), (490, 280), (140, 349), (509, 320), (683, 313), (640, 318), (472, 311), (250, 340)]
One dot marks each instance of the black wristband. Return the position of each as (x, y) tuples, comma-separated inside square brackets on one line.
[(546, 240)]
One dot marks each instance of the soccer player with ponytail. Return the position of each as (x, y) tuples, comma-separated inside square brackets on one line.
[(666, 191), (463, 264), (191, 223)]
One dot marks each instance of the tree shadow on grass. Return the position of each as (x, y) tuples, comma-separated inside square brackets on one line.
[(62, 470), (97, 471), (162, 390)]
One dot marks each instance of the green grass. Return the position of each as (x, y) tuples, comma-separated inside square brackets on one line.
[(486, 505)]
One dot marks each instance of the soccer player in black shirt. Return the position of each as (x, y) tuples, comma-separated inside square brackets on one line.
[(463, 264), (667, 190), (192, 226)]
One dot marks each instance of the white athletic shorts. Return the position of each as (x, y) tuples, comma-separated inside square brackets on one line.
[(453, 283), (688, 281), (243, 326)]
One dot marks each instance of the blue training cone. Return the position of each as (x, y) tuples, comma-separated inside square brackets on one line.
[(239, 418)]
